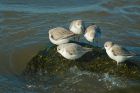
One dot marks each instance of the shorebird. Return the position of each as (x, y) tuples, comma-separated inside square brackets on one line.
[(60, 35), (117, 52), (92, 34), (77, 27), (72, 51)]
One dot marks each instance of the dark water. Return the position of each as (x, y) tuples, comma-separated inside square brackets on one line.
[(24, 28)]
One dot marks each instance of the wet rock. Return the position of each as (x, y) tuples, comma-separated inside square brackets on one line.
[(50, 62)]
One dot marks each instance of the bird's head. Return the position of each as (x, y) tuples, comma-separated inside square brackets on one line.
[(108, 45)]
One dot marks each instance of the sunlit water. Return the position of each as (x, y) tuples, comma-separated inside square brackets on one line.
[(24, 28)]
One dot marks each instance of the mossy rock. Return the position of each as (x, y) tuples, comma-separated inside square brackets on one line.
[(48, 60)]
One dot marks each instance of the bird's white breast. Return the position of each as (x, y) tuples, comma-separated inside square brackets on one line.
[(88, 37), (76, 30), (110, 54)]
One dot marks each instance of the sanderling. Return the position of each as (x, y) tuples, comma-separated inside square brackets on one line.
[(72, 51), (60, 35), (117, 52), (92, 33), (77, 27)]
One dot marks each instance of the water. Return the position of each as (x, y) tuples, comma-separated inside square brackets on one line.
[(24, 31)]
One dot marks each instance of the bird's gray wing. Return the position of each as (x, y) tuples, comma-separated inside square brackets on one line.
[(62, 34), (78, 50), (72, 50), (75, 49), (120, 51)]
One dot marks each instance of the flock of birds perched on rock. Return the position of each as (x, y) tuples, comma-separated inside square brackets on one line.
[(61, 37)]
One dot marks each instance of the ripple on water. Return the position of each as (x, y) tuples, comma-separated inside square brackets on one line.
[(23, 32), (75, 81), (132, 9)]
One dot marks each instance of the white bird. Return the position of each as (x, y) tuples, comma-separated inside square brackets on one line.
[(77, 27), (117, 53), (92, 33), (60, 35), (72, 51)]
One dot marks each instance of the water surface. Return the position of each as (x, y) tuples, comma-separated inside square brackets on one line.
[(24, 29)]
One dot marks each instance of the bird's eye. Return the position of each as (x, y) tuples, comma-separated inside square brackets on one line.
[(51, 36)]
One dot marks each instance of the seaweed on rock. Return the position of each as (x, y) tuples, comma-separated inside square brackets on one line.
[(51, 62)]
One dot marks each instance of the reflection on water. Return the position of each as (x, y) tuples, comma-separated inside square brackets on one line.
[(24, 31)]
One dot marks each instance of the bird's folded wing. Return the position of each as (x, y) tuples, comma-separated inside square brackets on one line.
[(72, 50), (120, 51), (62, 34)]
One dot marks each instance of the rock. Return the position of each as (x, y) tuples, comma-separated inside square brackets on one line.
[(50, 62)]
